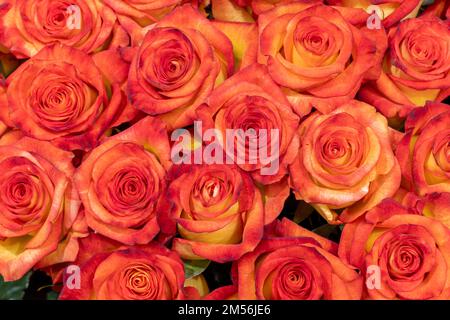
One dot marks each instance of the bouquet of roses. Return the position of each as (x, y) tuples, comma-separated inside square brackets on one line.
[(225, 149)]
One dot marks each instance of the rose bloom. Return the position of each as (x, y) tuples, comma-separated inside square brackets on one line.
[(216, 209), (29, 25), (150, 272), (250, 100), (59, 96), (411, 251), (246, 10), (424, 151), (295, 265), (177, 66), (135, 15), (37, 203), (345, 161), (122, 182), (318, 53), (392, 11), (415, 69)]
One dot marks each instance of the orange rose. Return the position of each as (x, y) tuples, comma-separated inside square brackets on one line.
[(345, 161), (217, 210), (150, 272), (245, 10), (59, 96), (416, 68), (318, 53), (27, 26), (37, 204), (435, 205), (250, 100), (122, 182), (296, 265), (392, 10), (135, 15), (410, 252), (424, 151), (177, 66)]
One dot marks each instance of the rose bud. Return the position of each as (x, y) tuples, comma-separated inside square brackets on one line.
[(415, 69), (319, 54), (391, 11), (295, 265), (251, 102), (424, 151), (216, 209), (402, 255), (122, 182), (59, 95), (177, 66), (345, 161), (27, 26), (38, 205), (150, 272)]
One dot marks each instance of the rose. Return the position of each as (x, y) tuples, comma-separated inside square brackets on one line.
[(250, 100), (320, 54), (59, 96), (392, 11), (135, 15), (296, 265), (150, 272), (435, 205), (217, 210), (411, 251), (439, 8), (416, 68), (29, 25), (423, 153), (122, 182), (245, 10), (345, 161), (177, 66), (37, 204)]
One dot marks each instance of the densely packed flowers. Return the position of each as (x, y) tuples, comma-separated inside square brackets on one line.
[(226, 149)]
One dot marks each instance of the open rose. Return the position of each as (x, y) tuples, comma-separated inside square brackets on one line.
[(318, 53), (217, 210), (252, 103), (416, 68), (59, 95), (177, 66), (411, 253), (345, 161), (29, 25), (392, 11), (37, 203), (122, 182), (296, 265), (424, 151), (150, 272)]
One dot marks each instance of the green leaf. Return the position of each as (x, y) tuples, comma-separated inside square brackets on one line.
[(52, 295), (193, 268), (326, 230), (302, 212), (14, 290)]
